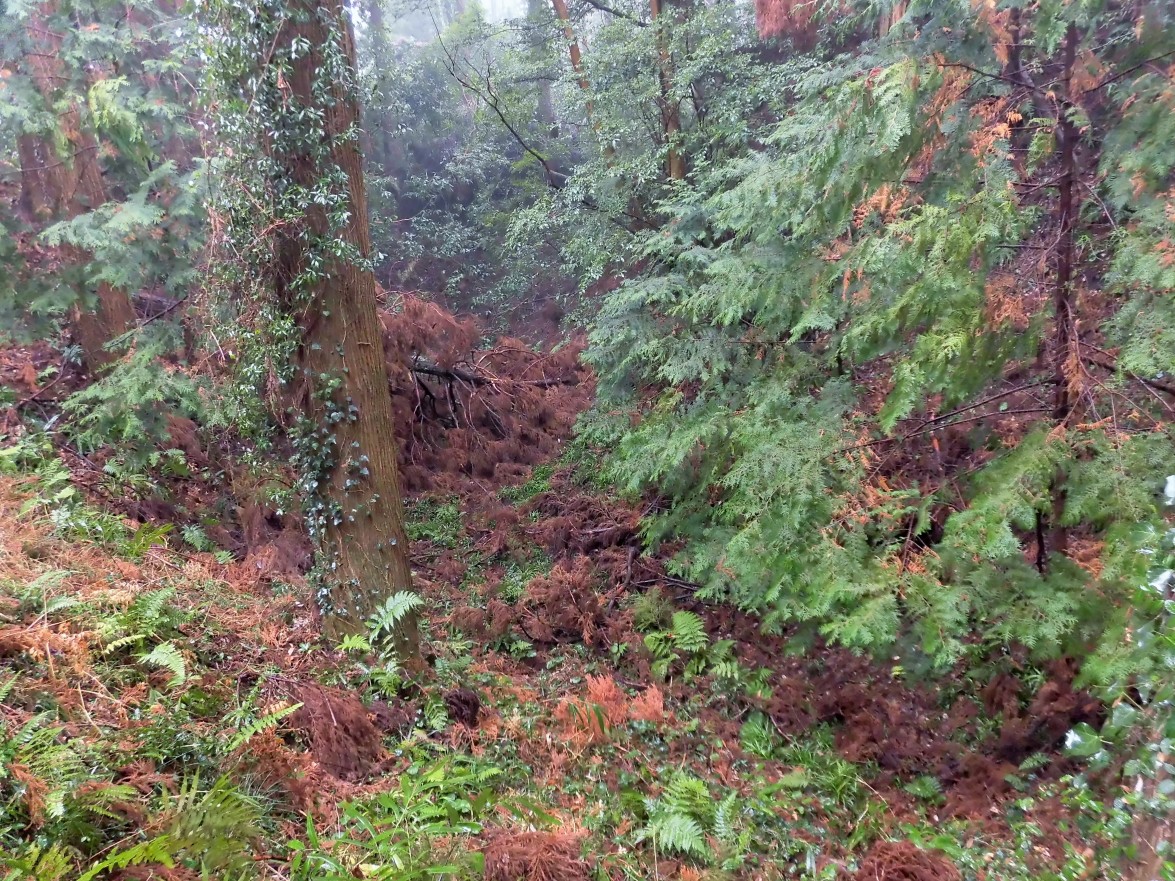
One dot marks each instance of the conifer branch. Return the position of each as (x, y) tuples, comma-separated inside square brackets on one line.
[(987, 400), (928, 429), (983, 73), (1126, 72)]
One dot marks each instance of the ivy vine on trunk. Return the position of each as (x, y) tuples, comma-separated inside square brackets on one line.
[(322, 288)]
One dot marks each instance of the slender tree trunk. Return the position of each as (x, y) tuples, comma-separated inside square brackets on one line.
[(1065, 354), (74, 185), (564, 16), (359, 523), (891, 15), (37, 198), (576, 55), (376, 128), (670, 109), (546, 105)]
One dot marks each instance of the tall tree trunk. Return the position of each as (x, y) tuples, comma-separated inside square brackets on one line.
[(1065, 353), (359, 523), (576, 55), (546, 104), (670, 108), (376, 127), (573, 50), (891, 15), (74, 185), (37, 197)]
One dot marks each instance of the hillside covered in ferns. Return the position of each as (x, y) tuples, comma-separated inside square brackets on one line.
[(569, 440)]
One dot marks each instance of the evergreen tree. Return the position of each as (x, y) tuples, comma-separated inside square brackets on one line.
[(904, 362), (108, 226)]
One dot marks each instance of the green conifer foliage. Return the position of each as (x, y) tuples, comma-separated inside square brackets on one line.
[(904, 363), (120, 74)]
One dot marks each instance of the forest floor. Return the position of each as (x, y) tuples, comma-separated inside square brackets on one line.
[(583, 714)]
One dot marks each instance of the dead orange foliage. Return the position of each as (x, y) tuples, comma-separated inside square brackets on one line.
[(536, 856), (648, 706), (590, 719)]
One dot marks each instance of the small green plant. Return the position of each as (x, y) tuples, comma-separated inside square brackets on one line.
[(58, 499), (37, 598), (167, 657), (538, 483), (435, 521), (377, 647), (384, 623), (686, 818), (38, 863), (257, 725), (685, 644), (617, 651), (211, 829), (517, 576), (144, 538), (150, 619), (516, 647), (195, 536), (651, 610), (454, 656), (436, 714), (420, 829), (926, 788), (758, 737), (42, 772)]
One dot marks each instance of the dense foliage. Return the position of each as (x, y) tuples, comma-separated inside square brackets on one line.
[(863, 535), (903, 365)]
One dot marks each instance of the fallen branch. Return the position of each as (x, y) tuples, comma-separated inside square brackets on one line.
[(452, 374), (1102, 358)]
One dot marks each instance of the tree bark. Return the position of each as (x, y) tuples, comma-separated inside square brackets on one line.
[(891, 15), (573, 50), (71, 185), (37, 198), (576, 55), (1065, 344), (546, 104), (670, 109), (358, 523)]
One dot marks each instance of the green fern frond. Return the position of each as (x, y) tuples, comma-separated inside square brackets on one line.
[(152, 606), (97, 800), (696, 666), (395, 609), (689, 632), (354, 642), (122, 642), (726, 818), (686, 794), (151, 616), (160, 850), (255, 727), (728, 670), (38, 863), (436, 715), (676, 833), (167, 657)]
